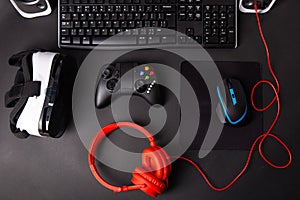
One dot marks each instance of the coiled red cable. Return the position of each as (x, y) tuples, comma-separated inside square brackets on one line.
[(259, 140)]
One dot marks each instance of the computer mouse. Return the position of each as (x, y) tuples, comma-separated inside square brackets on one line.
[(232, 107), (247, 6)]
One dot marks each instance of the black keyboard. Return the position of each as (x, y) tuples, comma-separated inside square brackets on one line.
[(147, 23)]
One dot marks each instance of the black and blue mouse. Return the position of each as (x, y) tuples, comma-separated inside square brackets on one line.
[(232, 108)]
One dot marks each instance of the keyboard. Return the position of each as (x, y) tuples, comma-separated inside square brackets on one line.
[(117, 24)]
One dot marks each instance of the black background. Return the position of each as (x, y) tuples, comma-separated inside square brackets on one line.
[(57, 169)]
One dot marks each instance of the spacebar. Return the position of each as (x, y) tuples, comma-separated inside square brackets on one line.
[(124, 40)]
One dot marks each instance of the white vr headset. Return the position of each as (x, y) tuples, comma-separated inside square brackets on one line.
[(41, 94)]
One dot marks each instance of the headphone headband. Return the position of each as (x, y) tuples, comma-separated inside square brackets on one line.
[(96, 141)]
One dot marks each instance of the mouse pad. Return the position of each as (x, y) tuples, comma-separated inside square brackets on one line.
[(232, 137)]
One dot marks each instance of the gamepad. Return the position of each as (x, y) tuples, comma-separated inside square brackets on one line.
[(127, 79)]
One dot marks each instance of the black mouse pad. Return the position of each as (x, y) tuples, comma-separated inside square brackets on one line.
[(232, 137)]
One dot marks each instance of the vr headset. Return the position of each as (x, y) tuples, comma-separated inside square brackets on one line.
[(41, 94)]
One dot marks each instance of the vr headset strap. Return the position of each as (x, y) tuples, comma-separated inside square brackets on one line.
[(24, 61), (25, 90)]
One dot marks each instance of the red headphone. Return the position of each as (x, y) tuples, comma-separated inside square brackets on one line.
[(151, 178)]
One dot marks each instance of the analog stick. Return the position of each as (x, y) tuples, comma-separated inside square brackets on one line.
[(140, 86), (111, 84)]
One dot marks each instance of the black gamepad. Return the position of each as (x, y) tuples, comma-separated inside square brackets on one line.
[(140, 80)]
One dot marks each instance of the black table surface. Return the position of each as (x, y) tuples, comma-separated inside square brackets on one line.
[(57, 168)]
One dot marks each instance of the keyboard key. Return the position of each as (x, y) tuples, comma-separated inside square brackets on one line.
[(215, 24), (66, 17), (86, 40), (231, 20), (197, 16), (116, 24), (168, 40), (215, 32), (65, 32), (67, 24), (92, 24), (190, 9), (76, 40), (207, 9), (78, 9), (84, 24), (104, 32), (81, 32), (97, 40), (223, 40), (169, 8), (230, 9), (65, 40), (75, 16), (83, 16), (100, 24), (164, 32), (171, 19), (88, 32), (189, 31), (111, 32), (231, 35), (73, 32), (91, 16), (96, 32), (223, 24), (207, 32), (215, 9), (212, 40), (181, 39), (142, 40), (108, 24), (223, 32), (198, 39), (63, 9), (223, 9), (190, 40), (153, 40), (223, 16), (123, 40), (182, 17)]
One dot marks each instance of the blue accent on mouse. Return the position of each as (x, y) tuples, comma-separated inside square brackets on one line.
[(233, 97), (225, 111)]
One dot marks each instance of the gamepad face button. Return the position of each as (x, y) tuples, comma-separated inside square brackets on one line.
[(107, 73)]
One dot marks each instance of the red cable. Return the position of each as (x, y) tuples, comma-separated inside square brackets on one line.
[(259, 140)]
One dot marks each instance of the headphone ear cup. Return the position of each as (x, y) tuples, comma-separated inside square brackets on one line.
[(156, 160), (153, 185)]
